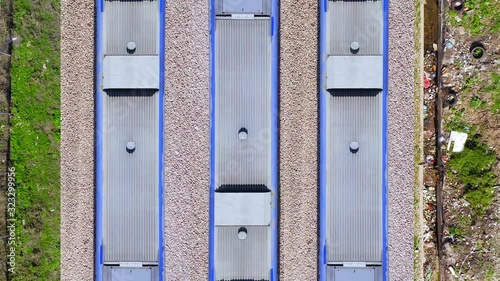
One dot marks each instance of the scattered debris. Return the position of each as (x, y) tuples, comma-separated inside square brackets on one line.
[(477, 50), (451, 99), (449, 44), (427, 82), (458, 139), (429, 159), (458, 5), (473, 251), (452, 271), (467, 115)]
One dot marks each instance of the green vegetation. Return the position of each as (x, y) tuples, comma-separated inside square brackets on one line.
[(490, 274), (454, 18), (464, 223), (482, 16), (474, 169), (477, 53), (455, 122), (456, 231), (470, 82), (477, 103), (480, 100), (35, 135), (494, 89)]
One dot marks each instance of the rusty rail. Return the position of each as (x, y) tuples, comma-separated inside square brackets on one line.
[(439, 153)]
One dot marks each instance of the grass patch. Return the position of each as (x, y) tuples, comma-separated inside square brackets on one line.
[(494, 89), (456, 231), (477, 103), (454, 122), (474, 169), (35, 135), (482, 94), (464, 223), (482, 17), (490, 274), (453, 16)]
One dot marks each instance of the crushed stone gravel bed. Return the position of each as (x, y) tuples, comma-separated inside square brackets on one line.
[(77, 140)]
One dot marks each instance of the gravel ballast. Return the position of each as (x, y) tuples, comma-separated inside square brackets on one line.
[(77, 140), (187, 135), (298, 140), (401, 139)]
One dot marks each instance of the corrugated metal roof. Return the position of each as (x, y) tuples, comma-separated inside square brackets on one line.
[(130, 188), (242, 259), (131, 21), (354, 213), (242, 148), (243, 90), (354, 21)]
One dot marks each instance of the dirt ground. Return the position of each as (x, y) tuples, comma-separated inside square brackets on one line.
[(473, 254), (471, 242), (431, 266), (430, 178)]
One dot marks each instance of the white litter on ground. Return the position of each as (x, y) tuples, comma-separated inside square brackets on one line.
[(459, 140)]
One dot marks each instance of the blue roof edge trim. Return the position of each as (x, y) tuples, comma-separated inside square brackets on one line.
[(385, 214), (99, 9), (275, 139), (161, 121), (322, 140), (211, 247)]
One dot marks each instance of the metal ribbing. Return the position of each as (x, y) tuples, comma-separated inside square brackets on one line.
[(135, 21), (117, 273), (130, 181), (354, 20), (243, 100), (354, 225), (239, 259)]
